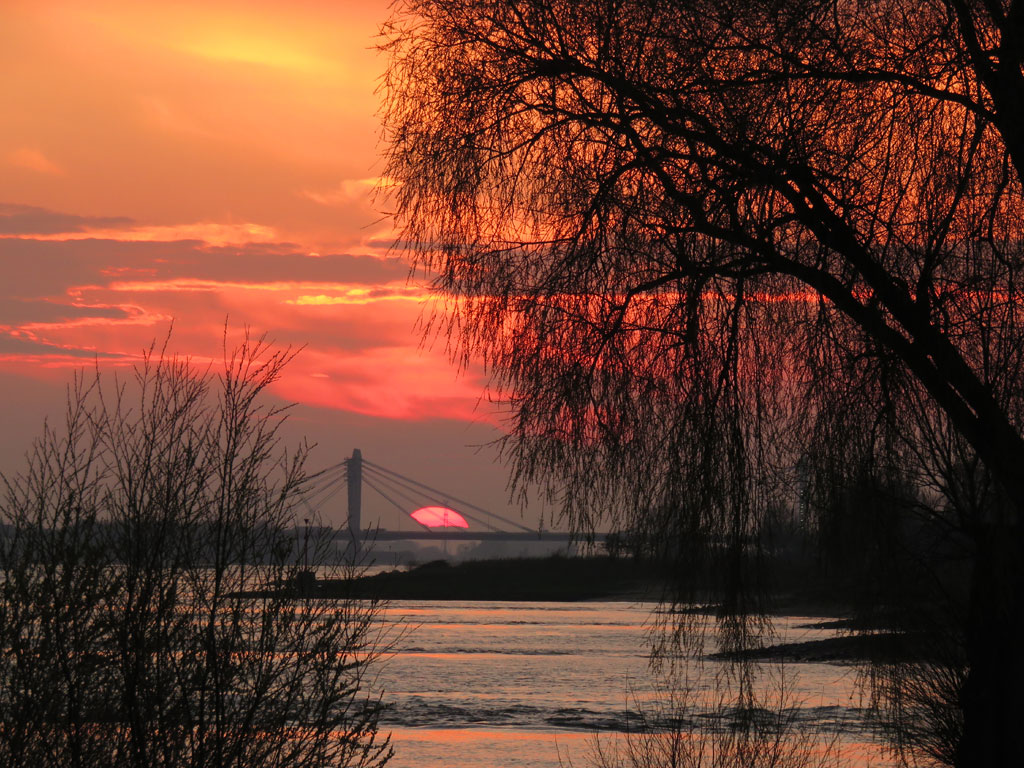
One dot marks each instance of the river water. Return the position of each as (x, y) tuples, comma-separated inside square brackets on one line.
[(526, 685)]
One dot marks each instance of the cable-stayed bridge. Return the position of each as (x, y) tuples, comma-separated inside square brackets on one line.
[(435, 515)]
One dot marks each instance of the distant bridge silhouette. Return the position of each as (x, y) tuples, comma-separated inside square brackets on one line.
[(408, 495)]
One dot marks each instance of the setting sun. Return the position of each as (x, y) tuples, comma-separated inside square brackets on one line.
[(439, 517)]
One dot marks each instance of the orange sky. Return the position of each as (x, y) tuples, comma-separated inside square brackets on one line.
[(188, 162)]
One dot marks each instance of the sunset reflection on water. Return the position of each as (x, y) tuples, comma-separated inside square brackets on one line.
[(525, 685)]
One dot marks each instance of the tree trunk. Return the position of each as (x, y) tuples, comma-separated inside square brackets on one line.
[(993, 697)]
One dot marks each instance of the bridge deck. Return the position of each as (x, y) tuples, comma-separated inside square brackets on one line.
[(463, 535)]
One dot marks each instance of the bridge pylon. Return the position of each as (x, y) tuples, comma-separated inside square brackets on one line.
[(354, 480)]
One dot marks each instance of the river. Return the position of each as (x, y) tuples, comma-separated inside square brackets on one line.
[(525, 685)]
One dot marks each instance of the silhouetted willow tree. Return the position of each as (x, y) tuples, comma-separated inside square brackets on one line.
[(143, 620), (718, 255)]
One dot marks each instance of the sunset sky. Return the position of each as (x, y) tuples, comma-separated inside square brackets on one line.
[(189, 162)]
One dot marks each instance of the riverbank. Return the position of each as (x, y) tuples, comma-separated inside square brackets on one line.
[(545, 579), (556, 579), (884, 647), (584, 579)]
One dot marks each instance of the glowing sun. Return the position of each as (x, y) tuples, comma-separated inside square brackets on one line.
[(439, 517)]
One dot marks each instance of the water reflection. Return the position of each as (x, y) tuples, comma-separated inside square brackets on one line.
[(517, 684)]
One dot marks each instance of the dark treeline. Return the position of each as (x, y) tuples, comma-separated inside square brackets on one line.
[(296, 547)]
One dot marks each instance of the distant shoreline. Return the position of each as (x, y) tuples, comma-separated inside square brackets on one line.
[(592, 579), (552, 578), (542, 579)]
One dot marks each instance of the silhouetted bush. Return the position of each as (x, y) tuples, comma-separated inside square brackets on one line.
[(141, 617)]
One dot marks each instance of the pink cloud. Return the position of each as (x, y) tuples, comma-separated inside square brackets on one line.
[(355, 316), (400, 382), (185, 161)]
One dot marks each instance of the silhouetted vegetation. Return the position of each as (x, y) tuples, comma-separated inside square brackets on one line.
[(130, 539), (548, 578), (732, 264)]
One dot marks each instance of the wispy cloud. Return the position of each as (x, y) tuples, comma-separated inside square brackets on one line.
[(261, 49), (71, 297), (400, 382), (332, 293), (17, 348), (33, 159), (30, 220), (347, 191), (183, 161)]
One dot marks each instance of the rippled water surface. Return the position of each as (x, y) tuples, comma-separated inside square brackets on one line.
[(498, 685)]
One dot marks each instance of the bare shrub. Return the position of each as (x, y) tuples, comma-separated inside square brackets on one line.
[(144, 619)]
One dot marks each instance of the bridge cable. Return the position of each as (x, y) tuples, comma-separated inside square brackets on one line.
[(323, 491), (404, 491), (435, 496), (334, 491), (395, 489), (395, 503), (394, 484), (310, 500), (325, 470), (440, 494), (325, 476)]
